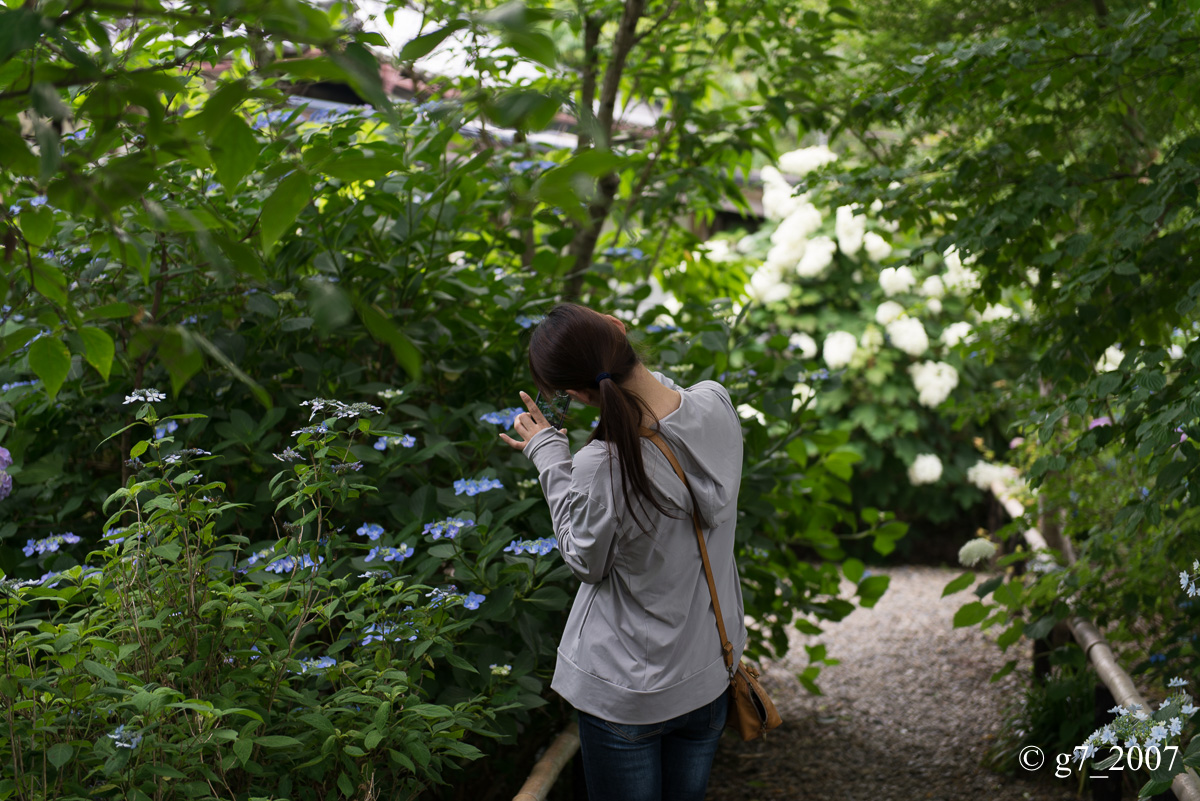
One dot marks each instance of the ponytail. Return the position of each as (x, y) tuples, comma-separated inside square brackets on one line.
[(577, 348)]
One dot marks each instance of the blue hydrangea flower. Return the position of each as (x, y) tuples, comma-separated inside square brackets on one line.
[(539, 547), (288, 455), (123, 738), (5, 458), (633, 253), (525, 321), (145, 395), (170, 428), (504, 417), (655, 329), (49, 544), (5, 484), (371, 531), (390, 554), (380, 633), (16, 384), (448, 528), (347, 467), (50, 580), (287, 564), (472, 486), (438, 596), (404, 441), (473, 600), (320, 663)]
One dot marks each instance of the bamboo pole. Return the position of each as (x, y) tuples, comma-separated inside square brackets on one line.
[(546, 771), (1186, 785)]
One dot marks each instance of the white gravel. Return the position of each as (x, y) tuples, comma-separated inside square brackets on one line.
[(906, 716)]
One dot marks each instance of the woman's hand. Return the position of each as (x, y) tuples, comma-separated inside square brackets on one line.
[(527, 424)]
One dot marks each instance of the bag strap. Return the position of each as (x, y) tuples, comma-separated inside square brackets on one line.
[(726, 646)]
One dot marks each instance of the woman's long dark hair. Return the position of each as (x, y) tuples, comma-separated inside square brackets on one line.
[(568, 350)]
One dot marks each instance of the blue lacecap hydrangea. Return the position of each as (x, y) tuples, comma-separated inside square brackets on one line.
[(170, 428), (390, 554), (382, 632), (371, 531), (49, 544), (449, 528), (504, 417), (319, 663), (539, 547), (632, 253), (475, 486), (526, 321), (404, 441), (286, 564)]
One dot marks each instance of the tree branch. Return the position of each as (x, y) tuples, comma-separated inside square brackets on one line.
[(584, 244)]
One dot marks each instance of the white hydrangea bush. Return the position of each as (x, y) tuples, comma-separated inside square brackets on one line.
[(892, 319)]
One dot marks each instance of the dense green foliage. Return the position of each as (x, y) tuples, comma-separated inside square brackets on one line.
[(1050, 146), (201, 232)]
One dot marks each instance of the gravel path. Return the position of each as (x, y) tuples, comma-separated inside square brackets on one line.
[(906, 716)]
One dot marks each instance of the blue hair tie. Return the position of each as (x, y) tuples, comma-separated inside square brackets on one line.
[(601, 377)]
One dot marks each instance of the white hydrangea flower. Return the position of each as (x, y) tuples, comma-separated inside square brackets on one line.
[(746, 411), (1033, 277), (767, 285), (976, 551), (956, 333), (908, 335), (958, 278), (895, 280), (871, 340), (850, 229), (994, 312), (986, 476), (1111, 360), (1175, 352), (784, 257), (804, 221), (932, 287), (801, 395), (888, 311), (876, 206), (934, 381), (806, 159), (818, 255), (925, 469), (934, 306), (778, 200), (839, 349), (876, 246), (803, 343), (715, 250)]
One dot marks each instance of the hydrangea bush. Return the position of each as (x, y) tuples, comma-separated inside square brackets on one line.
[(894, 331)]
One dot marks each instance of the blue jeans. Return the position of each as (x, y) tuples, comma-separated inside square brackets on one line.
[(668, 761)]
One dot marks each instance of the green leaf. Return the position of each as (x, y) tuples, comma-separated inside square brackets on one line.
[(102, 672), (959, 584), (384, 330), (276, 741), (60, 754), (970, 614), (284, 205), (1154, 787), (422, 45), (853, 569), (871, 589), (98, 349), (234, 152), (50, 361), (36, 224)]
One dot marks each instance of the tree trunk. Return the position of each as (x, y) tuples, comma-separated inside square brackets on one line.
[(583, 246)]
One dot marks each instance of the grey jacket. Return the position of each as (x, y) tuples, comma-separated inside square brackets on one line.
[(641, 643)]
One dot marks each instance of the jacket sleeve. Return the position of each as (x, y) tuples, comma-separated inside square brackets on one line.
[(585, 528)]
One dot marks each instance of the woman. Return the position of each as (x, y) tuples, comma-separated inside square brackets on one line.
[(640, 657)]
